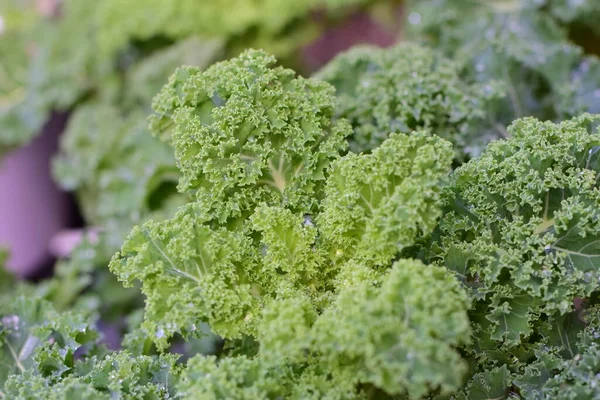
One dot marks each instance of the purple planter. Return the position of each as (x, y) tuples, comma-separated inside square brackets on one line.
[(32, 208)]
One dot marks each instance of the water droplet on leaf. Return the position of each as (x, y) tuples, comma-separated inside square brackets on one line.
[(160, 333), (414, 18)]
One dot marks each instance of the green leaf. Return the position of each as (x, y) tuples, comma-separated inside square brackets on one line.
[(245, 132), (520, 231), (494, 384), (396, 332), (403, 89), (523, 45), (35, 337), (191, 273), (376, 204)]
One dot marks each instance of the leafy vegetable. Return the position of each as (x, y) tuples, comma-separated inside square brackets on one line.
[(37, 341), (93, 43), (275, 25), (519, 44), (263, 263), (56, 356), (347, 344), (519, 231), (354, 235), (245, 133), (376, 204), (405, 88), (394, 333)]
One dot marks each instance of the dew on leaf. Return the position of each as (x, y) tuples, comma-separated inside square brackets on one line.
[(414, 18), (308, 220), (160, 333)]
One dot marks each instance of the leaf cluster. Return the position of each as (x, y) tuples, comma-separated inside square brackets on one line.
[(406, 88), (289, 244), (525, 45), (347, 236)]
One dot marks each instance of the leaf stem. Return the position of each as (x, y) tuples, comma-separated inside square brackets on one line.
[(544, 226), (15, 357), (278, 178)]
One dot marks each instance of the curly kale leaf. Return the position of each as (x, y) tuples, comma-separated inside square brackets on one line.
[(494, 383), (516, 43), (573, 374), (243, 378), (376, 204), (563, 367), (551, 376), (397, 332), (36, 340), (285, 330), (46, 354), (245, 132), (216, 275), (288, 244), (521, 227), (190, 273), (231, 378), (405, 88), (116, 376), (390, 333)]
